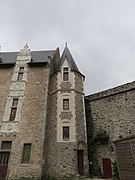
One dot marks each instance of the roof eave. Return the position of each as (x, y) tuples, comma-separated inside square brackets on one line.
[(6, 64)]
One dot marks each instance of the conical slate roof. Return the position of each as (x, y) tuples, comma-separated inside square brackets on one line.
[(67, 55)]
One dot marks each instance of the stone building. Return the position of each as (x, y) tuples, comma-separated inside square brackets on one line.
[(112, 110), (42, 115)]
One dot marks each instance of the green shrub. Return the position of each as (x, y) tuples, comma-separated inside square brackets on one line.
[(102, 137), (115, 171)]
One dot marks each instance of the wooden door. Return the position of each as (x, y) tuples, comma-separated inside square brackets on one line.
[(4, 158), (107, 170), (80, 162)]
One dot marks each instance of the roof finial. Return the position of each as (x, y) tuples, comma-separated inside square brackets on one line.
[(66, 44), (25, 51)]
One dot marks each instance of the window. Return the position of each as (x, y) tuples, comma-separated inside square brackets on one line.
[(5, 152), (6, 145), (20, 74), (65, 104), (26, 153), (66, 133), (4, 157), (65, 74), (13, 110)]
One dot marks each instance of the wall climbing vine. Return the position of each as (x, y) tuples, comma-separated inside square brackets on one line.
[(94, 141)]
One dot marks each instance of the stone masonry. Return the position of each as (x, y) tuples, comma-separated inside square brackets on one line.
[(41, 136), (61, 156), (113, 110), (32, 125)]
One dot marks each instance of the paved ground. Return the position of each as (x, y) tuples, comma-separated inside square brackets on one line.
[(94, 179), (86, 178)]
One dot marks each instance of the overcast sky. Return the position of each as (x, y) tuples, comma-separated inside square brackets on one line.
[(100, 35)]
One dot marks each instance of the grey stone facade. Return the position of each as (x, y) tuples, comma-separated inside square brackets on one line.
[(35, 80), (41, 116), (61, 157), (113, 111), (51, 129)]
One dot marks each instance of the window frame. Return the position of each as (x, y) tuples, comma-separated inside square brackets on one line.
[(26, 160), (66, 104), (5, 152), (13, 109), (66, 135), (20, 74), (65, 74), (4, 147)]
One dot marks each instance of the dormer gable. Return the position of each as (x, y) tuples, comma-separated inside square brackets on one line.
[(66, 56), (65, 69)]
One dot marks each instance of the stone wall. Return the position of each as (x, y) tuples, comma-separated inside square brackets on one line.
[(113, 110), (61, 156), (79, 80), (31, 126), (51, 129), (66, 160), (81, 134), (80, 124), (5, 80)]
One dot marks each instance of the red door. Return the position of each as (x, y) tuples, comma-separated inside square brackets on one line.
[(80, 162), (107, 170), (4, 158)]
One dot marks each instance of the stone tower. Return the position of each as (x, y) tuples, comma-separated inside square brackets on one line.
[(65, 140)]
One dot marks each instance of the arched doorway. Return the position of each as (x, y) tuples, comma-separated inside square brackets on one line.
[(81, 153)]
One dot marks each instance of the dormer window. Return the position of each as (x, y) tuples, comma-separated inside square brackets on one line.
[(65, 74), (20, 74)]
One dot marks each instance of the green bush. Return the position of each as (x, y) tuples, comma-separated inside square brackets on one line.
[(102, 137), (115, 171)]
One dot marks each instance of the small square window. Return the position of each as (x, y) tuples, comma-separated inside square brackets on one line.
[(65, 104), (66, 133), (26, 153)]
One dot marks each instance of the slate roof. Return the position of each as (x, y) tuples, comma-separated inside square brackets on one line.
[(8, 57), (67, 55), (37, 57)]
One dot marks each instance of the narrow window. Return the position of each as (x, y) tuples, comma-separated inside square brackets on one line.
[(26, 153), (13, 110), (65, 74), (4, 157), (20, 74), (4, 154), (65, 104), (66, 133)]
